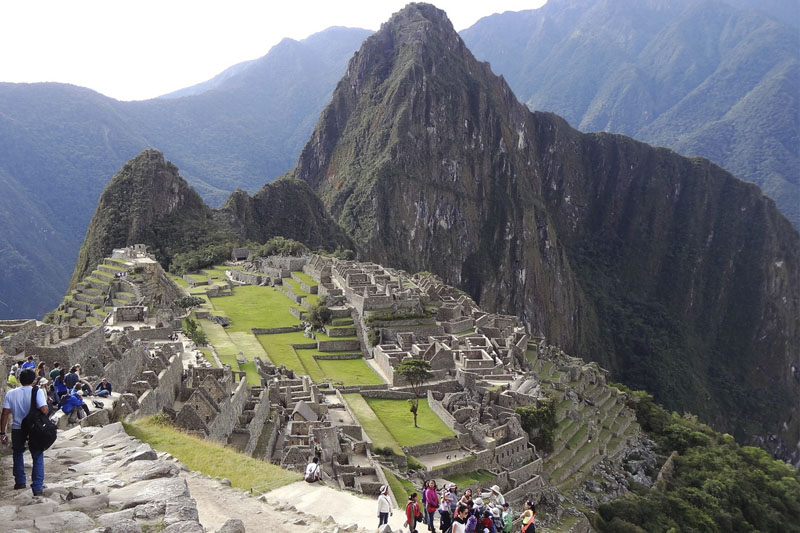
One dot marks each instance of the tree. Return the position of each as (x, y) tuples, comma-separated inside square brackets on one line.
[(416, 372)]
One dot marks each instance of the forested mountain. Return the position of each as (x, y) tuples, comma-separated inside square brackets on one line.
[(669, 271), (714, 78), (62, 143)]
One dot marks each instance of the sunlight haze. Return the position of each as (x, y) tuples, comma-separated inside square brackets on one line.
[(139, 50)]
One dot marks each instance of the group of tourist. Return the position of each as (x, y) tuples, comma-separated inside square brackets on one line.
[(487, 513), (65, 391)]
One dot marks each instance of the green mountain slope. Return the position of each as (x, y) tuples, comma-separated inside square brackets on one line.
[(62, 143), (701, 77), (669, 271)]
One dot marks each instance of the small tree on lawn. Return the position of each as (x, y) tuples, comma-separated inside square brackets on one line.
[(416, 372)]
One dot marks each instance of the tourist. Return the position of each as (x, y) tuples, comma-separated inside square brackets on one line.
[(460, 520), (55, 372), (466, 497), (528, 516), (29, 364), (508, 518), (493, 495), (41, 370), (17, 404), (413, 514), (74, 378), (384, 506), (12, 380), (59, 387), (313, 473), (471, 524), (431, 500), (74, 402), (52, 403), (103, 389), (485, 522), (478, 507), (447, 507)]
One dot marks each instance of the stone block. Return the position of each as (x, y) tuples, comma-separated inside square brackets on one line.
[(156, 490), (125, 526), (232, 525), (181, 510), (66, 522), (185, 527), (98, 417)]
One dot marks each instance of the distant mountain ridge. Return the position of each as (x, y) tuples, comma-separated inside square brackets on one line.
[(62, 143), (701, 77), (669, 271)]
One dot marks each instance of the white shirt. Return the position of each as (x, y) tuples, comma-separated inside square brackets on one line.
[(459, 527), (311, 470), (384, 504), (19, 402)]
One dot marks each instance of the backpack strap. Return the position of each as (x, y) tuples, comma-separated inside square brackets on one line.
[(34, 392)]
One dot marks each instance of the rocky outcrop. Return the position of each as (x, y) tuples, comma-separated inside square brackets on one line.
[(669, 271), (104, 481)]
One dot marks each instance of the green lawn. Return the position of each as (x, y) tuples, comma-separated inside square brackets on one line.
[(279, 349), (198, 277), (253, 306), (305, 278), (226, 349), (470, 478), (350, 372), (179, 281), (209, 457), (379, 434), (396, 417)]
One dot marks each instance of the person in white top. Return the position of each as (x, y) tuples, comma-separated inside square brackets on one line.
[(313, 473), (16, 404), (384, 506), (460, 521)]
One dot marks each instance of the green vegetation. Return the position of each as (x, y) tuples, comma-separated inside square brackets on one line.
[(280, 246), (395, 416), (208, 457), (379, 434), (416, 372), (319, 315), (540, 420), (716, 484), (194, 332), (349, 372), (401, 487), (185, 302), (465, 479), (253, 306)]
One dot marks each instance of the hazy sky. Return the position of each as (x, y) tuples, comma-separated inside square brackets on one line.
[(132, 50)]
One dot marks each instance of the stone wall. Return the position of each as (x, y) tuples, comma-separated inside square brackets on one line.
[(339, 345), (15, 326), (222, 426), (444, 445), (150, 334), (261, 414), (248, 278), (437, 407), (387, 394), (338, 357), (169, 384), (84, 348), (270, 331)]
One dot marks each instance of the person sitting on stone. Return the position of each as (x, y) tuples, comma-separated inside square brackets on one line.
[(103, 389), (313, 471), (74, 379), (59, 387), (55, 372), (52, 403), (74, 402), (30, 363)]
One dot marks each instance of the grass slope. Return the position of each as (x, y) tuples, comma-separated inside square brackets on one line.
[(253, 306), (395, 415), (377, 431), (209, 457)]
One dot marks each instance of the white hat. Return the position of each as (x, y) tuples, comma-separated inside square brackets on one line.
[(383, 489), (80, 393), (43, 381), (478, 502), (496, 489), (496, 511)]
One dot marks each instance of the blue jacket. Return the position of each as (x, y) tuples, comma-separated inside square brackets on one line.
[(71, 403)]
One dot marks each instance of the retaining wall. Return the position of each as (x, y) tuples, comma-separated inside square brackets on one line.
[(222, 426), (339, 345), (150, 334), (153, 401), (256, 426), (270, 331)]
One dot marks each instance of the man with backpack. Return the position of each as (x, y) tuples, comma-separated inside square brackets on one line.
[(17, 405)]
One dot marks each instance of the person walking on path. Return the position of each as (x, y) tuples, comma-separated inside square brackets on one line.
[(432, 503), (384, 506), (413, 514), (16, 405), (528, 516)]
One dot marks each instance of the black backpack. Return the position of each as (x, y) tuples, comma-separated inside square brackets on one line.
[(41, 431)]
